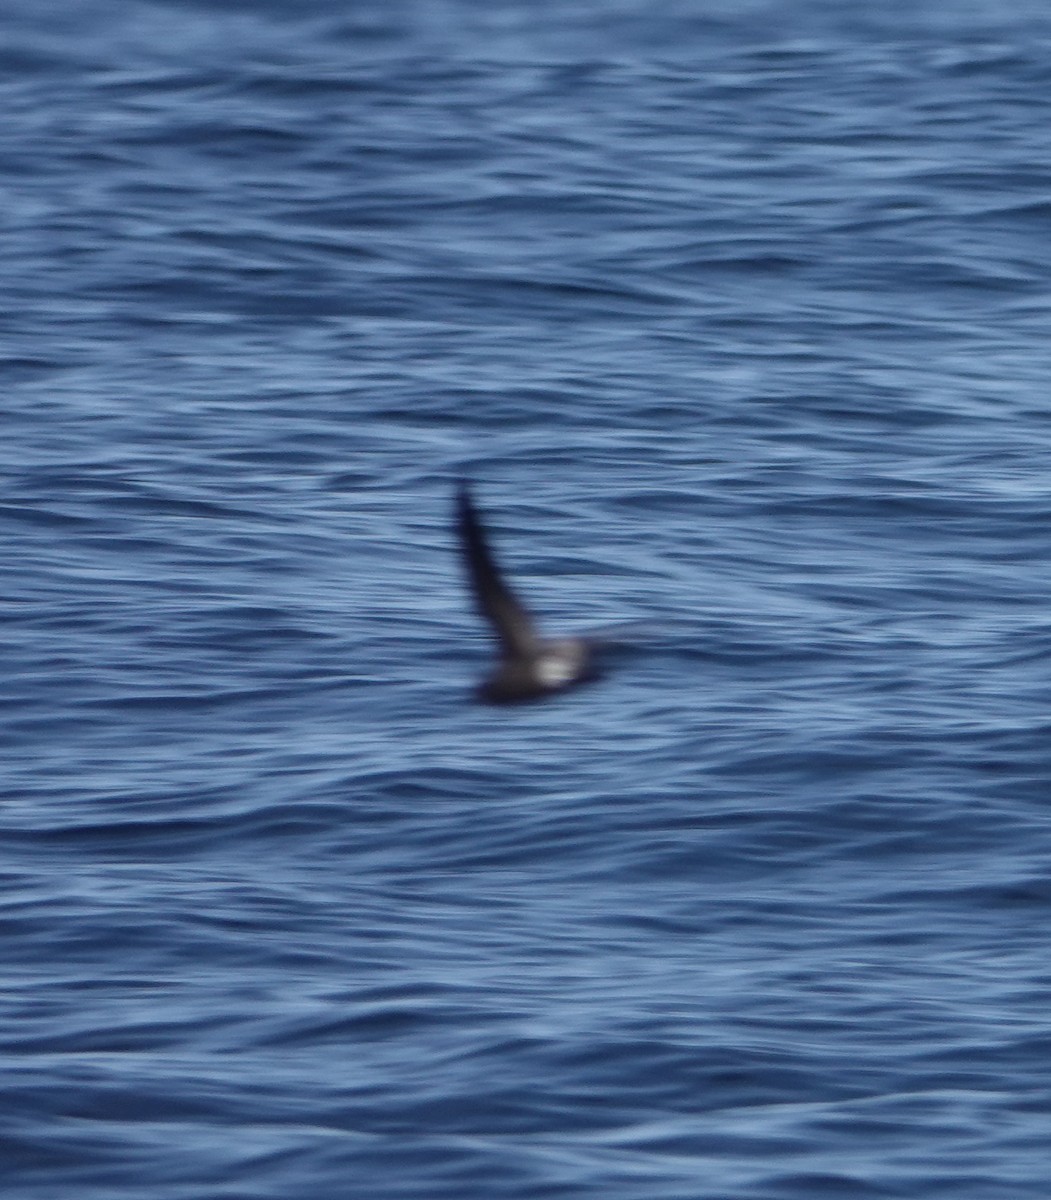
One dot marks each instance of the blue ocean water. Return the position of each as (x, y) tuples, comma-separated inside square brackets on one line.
[(737, 316)]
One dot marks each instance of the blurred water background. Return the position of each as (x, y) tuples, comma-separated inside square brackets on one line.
[(738, 316)]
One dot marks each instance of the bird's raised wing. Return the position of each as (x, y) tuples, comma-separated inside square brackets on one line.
[(493, 597)]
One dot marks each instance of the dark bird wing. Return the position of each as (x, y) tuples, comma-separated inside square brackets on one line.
[(494, 599)]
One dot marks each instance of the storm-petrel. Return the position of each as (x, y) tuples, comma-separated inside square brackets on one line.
[(529, 667)]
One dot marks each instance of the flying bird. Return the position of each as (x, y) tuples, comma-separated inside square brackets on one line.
[(529, 667)]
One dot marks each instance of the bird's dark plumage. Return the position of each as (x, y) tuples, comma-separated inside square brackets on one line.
[(530, 666)]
